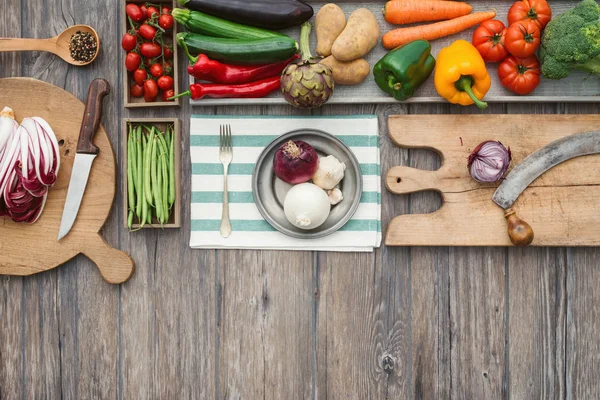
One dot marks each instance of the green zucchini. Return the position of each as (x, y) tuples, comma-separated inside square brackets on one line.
[(239, 51), (205, 24)]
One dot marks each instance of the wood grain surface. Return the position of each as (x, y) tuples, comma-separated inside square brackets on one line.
[(401, 323)]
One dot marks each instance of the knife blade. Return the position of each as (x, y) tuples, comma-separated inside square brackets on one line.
[(86, 153), (549, 156)]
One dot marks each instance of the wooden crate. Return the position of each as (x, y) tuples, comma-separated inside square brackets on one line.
[(134, 102), (160, 123)]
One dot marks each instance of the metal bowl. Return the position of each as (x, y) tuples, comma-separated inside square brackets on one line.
[(269, 191)]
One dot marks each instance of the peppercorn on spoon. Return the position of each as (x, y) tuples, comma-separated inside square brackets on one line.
[(59, 45)]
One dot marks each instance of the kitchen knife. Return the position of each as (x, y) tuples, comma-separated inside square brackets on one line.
[(86, 153), (549, 156)]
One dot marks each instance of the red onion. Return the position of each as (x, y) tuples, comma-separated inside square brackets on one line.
[(489, 161), (295, 162)]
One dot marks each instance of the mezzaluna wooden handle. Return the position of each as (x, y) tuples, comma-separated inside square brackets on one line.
[(519, 231), (99, 88)]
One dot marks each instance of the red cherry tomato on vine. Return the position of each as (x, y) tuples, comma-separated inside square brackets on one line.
[(134, 12), (132, 61), (156, 70), (150, 50), (147, 32), (128, 42), (167, 68), (166, 21), (537, 11), (150, 90), (167, 52), (521, 76), (150, 11), (522, 39), (168, 93), (165, 10), (489, 40), (137, 90), (165, 82), (140, 76), (144, 11)]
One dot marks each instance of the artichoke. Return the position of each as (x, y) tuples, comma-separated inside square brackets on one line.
[(306, 83)]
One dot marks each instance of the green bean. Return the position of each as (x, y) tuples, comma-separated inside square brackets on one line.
[(130, 188), (142, 199), (133, 159), (130, 219), (147, 168), (156, 184), (172, 169), (140, 171), (165, 178)]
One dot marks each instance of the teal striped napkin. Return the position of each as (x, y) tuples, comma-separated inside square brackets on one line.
[(251, 134)]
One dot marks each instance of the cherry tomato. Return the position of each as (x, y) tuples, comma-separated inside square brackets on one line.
[(139, 76), (134, 12), (137, 90), (150, 11), (168, 93), (167, 68), (128, 42), (132, 61), (168, 52), (165, 82), (147, 32), (488, 38), (537, 11), (522, 39), (150, 90), (150, 50), (165, 21), (144, 11), (165, 10), (521, 76), (156, 70)]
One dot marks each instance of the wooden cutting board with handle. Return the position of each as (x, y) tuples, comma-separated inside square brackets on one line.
[(27, 249), (562, 205)]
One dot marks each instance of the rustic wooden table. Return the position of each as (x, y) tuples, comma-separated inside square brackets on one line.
[(473, 323)]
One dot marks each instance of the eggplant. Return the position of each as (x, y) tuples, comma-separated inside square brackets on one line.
[(269, 14)]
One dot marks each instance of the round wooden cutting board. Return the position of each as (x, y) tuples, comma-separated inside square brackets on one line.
[(27, 249)]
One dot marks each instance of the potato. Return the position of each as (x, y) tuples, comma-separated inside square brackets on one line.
[(358, 38), (330, 22), (348, 72)]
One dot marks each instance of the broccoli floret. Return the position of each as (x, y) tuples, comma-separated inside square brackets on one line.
[(572, 41)]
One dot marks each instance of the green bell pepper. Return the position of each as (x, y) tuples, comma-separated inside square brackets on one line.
[(403, 70)]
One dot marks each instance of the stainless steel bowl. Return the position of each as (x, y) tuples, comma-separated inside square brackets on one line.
[(269, 191)]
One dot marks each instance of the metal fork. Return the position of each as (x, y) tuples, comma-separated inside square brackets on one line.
[(225, 156)]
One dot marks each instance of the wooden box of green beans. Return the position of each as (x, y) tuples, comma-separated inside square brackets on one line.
[(151, 173)]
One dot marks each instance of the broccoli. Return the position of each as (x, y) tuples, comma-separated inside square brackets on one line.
[(572, 41)]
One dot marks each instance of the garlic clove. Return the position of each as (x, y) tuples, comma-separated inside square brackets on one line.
[(335, 196), (330, 172)]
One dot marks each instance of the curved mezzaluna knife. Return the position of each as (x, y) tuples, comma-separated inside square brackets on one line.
[(86, 153), (549, 156)]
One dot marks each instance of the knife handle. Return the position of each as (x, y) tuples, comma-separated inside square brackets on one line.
[(92, 116), (519, 231)]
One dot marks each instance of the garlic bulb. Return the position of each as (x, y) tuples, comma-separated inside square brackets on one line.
[(330, 172), (335, 196), (306, 206)]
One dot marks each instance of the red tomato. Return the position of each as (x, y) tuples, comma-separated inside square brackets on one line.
[(522, 39), (139, 76), (150, 90), (165, 21), (134, 12), (156, 70), (167, 68), (165, 82), (168, 93), (167, 52), (132, 61), (144, 11), (147, 32), (150, 11), (150, 50), (137, 90), (521, 76), (165, 10), (489, 40), (537, 11), (128, 42)]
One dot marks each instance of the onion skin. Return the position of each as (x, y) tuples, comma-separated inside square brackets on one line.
[(295, 162), (489, 161)]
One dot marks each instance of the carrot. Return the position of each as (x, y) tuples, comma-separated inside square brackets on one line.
[(401, 36), (409, 11)]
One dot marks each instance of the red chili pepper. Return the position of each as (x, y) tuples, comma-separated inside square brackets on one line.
[(248, 90), (206, 69)]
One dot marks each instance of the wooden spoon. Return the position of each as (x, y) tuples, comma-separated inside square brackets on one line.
[(58, 45)]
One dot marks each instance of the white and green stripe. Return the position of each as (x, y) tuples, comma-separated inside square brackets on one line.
[(250, 136)]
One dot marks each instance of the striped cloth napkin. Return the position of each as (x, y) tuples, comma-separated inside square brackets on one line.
[(251, 134)]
